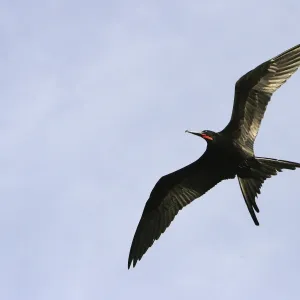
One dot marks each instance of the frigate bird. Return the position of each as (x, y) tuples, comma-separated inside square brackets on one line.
[(229, 154)]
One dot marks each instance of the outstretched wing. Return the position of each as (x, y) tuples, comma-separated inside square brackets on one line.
[(253, 92), (170, 194)]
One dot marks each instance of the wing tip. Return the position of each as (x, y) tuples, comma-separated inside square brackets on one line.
[(129, 265), (286, 52), (131, 262)]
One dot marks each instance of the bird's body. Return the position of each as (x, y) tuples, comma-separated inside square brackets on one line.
[(229, 154)]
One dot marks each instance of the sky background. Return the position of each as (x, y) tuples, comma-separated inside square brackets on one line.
[(95, 99)]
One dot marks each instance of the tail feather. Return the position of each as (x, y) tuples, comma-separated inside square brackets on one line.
[(277, 164), (266, 168), (250, 188)]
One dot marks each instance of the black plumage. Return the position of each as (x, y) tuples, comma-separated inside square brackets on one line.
[(229, 153)]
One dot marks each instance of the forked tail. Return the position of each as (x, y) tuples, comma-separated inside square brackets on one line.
[(266, 168)]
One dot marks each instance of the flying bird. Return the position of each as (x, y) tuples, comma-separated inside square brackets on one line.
[(229, 154)]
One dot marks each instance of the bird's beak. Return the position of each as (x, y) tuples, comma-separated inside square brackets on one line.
[(203, 135), (195, 133)]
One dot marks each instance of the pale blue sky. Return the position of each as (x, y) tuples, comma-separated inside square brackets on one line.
[(95, 99)]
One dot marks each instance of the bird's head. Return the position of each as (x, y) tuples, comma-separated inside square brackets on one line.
[(208, 135)]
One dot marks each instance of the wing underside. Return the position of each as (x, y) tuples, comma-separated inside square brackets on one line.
[(170, 194), (253, 92)]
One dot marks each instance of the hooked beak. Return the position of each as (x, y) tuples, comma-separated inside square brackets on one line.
[(203, 135), (195, 133)]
